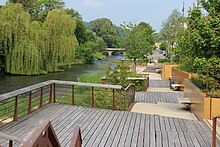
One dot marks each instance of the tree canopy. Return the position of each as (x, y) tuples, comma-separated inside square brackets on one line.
[(30, 48), (139, 43), (201, 38), (104, 28), (170, 30)]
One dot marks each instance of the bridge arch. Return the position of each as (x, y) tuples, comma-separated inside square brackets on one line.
[(111, 50)]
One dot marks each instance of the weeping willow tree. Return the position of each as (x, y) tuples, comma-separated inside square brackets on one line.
[(60, 39), (32, 48), (22, 55)]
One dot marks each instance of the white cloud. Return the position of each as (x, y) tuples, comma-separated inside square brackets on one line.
[(92, 3)]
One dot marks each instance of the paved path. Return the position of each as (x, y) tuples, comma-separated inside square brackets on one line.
[(101, 127)]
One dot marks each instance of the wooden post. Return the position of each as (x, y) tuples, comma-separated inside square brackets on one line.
[(54, 93), (41, 97), (92, 97), (113, 99), (10, 144), (73, 103), (16, 109), (51, 88), (29, 103)]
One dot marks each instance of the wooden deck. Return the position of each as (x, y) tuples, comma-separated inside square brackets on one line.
[(154, 97), (101, 127), (159, 83)]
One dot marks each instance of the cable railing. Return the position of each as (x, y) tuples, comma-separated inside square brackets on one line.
[(213, 83), (19, 103)]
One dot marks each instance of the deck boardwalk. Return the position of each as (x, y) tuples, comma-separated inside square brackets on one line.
[(159, 83), (154, 97), (101, 127)]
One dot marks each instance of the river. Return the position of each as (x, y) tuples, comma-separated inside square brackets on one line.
[(10, 82)]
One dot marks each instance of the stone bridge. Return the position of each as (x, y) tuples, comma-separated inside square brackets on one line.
[(111, 50)]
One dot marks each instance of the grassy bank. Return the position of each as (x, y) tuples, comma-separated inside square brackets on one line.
[(92, 77)]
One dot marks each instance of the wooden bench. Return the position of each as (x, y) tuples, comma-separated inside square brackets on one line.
[(184, 101), (177, 86)]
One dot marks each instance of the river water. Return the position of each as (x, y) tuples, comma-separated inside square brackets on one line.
[(10, 82)]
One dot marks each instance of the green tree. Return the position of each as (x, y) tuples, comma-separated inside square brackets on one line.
[(43, 8), (29, 6), (105, 29), (117, 72), (163, 46), (86, 53), (170, 30), (140, 42), (80, 31), (60, 40), (201, 38), (21, 53)]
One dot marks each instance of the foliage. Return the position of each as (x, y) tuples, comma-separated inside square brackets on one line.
[(44, 7), (60, 41), (117, 72), (201, 38), (200, 67), (80, 31), (170, 30), (91, 50), (28, 47), (85, 52), (164, 46), (29, 5), (163, 60), (139, 43), (105, 29)]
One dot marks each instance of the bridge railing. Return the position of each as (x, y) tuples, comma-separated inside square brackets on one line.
[(16, 104)]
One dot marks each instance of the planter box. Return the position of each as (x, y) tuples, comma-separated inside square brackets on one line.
[(167, 71), (203, 107)]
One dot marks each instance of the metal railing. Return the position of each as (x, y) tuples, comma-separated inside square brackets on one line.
[(16, 104), (213, 82), (214, 126)]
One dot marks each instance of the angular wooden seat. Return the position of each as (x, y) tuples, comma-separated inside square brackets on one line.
[(177, 86), (184, 101)]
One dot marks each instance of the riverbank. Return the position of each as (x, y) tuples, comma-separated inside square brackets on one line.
[(10, 82)]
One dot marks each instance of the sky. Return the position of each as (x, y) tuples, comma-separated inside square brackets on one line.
[(135, 11)]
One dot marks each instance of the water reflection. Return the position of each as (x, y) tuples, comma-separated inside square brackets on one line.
[(9, 83)]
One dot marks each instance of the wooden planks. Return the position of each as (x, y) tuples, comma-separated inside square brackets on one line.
[(155, 97), (101, 127)]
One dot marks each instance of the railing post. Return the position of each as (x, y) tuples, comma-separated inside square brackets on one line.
[(54, 93), (214, 132), (207, 80), (51, 93), (16, 109), (73, 95), (113, 99), (92, 97), (29, 103), (10, 143), (120, 95), (41, 97)]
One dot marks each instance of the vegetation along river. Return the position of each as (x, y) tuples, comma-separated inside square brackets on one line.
[(10, 82)]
